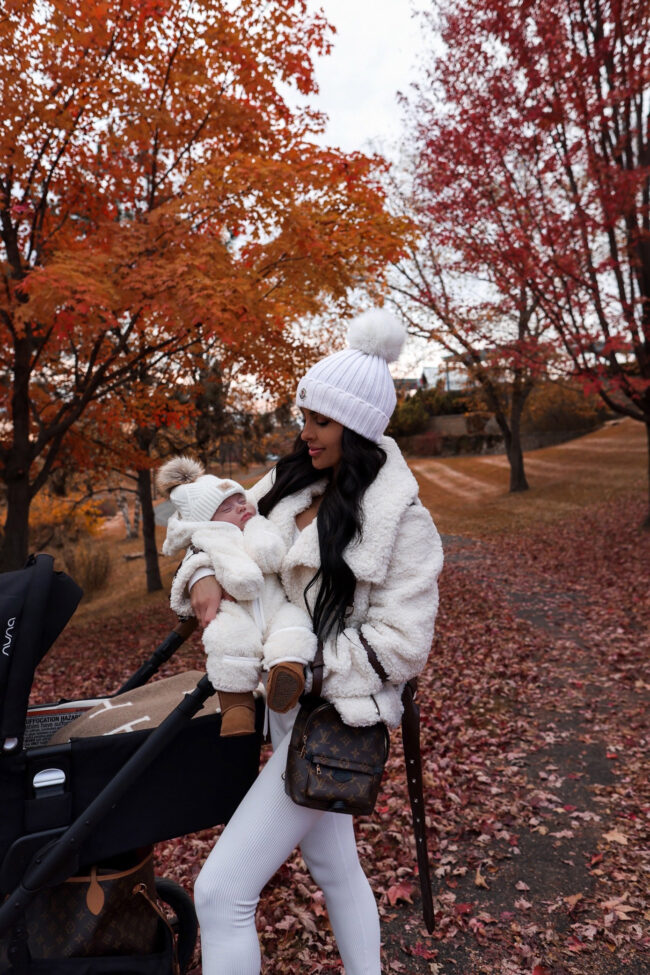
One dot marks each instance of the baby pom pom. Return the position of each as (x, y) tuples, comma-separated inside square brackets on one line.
[(177, 471), (377, 332)]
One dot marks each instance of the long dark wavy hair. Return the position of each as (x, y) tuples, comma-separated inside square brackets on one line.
[(339, 519)]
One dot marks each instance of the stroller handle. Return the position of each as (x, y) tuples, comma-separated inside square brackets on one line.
[(183, 629)]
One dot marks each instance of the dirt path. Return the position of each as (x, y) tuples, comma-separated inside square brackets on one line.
[(556, 887), (556, 613)]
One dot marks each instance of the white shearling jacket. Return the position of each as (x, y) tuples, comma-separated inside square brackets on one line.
[(261, 627), (396, 563)]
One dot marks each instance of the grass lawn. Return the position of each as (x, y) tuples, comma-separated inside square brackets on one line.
[(469, 495)]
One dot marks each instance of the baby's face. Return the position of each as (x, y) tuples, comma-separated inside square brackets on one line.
[(235, 510)]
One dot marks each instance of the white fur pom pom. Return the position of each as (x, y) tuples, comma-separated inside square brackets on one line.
[(177, 471), (377, 332)]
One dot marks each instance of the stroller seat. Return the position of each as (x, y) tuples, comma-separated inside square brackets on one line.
[(140, 709)]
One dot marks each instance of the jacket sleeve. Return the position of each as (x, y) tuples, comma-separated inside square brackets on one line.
[(401, 613), (179, 598), (233, 649), (231, 565)]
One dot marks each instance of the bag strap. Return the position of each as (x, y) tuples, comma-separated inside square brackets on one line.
[(141, 890), (317, 670), (318, 664), (373, 659)]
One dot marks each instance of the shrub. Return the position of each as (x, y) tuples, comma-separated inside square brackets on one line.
[(440, 402), (412, 414), (410, 417), (56, 522), (561, 406), (89, 564), (477, 420)]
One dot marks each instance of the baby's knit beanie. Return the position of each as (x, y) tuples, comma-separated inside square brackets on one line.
[(194, 494), (354, 386)]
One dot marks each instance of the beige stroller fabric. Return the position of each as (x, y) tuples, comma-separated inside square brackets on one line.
[(141, 709)]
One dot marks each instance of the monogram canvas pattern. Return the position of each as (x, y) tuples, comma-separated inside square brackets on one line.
[(61, 925), (334, 766)]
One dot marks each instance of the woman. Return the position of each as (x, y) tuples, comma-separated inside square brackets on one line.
[(363, 556)]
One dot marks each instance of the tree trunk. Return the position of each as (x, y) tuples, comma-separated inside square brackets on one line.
[(123, 508), (137, 511), (512, 441), (510, 426), (518, 480), (15, 543), (154, 581)]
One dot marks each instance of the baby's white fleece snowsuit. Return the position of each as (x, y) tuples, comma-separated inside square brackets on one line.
[(261, 627)]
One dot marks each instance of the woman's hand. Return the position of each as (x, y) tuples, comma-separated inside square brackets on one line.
[(205, 597)]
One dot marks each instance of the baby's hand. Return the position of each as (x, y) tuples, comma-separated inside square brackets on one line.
[(205, 597)]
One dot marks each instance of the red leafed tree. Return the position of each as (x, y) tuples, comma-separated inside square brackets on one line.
[(154, 183), (533, 136), (499, 337)]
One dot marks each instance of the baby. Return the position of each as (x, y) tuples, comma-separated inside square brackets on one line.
[(223, 534)]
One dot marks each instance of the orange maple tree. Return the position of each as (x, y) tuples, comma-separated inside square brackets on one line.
[(156, 184)]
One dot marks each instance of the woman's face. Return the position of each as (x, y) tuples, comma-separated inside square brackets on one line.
[(323, 438)]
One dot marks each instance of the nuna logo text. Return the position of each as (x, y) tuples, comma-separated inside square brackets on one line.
[(9, 635)]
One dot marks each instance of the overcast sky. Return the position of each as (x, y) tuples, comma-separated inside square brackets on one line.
[(374, 55)]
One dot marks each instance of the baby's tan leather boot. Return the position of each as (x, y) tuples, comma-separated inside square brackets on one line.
[(237, 713), (285, 685)]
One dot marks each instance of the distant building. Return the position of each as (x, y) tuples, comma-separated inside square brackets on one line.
[(451, 373)]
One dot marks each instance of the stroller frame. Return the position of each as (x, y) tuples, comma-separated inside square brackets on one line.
[(136, 764)]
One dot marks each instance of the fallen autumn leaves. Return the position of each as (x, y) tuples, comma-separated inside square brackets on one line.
[(534, 744)]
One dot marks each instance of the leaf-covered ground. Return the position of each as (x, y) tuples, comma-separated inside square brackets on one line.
[(534, 740)]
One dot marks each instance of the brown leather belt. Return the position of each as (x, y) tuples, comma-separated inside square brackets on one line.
[(412, 760), (411, 742), (413, 764)]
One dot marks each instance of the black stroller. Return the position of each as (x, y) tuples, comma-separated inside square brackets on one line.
[(89, 810)]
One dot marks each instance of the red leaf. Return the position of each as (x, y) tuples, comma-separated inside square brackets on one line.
[(397, 892), (420, 951), (463, 908)]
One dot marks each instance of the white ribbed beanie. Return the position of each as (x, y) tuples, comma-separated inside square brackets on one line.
[(354, 386), (199, 500)]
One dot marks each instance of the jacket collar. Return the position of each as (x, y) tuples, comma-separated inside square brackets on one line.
[(382, 505)]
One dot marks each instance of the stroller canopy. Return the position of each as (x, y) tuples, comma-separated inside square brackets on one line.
[(35, 604)]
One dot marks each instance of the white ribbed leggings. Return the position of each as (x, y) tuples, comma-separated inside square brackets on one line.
[(264, 830)]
